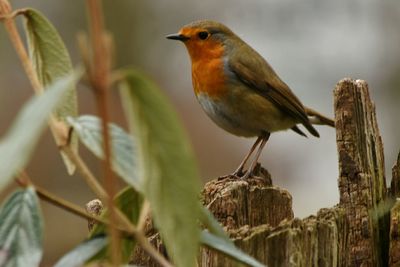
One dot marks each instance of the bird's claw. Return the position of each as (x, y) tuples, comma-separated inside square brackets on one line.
[(237, 176), (229, 176), (247, 175)]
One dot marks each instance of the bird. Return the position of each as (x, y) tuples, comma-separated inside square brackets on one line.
[(239, 90)]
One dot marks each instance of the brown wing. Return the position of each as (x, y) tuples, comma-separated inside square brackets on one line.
[(251, 69)]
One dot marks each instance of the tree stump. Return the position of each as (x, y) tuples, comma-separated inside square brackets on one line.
[(351, 234), (248, 209), (236, 203)]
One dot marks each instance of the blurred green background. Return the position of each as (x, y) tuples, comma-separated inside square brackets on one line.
[(312, 44)]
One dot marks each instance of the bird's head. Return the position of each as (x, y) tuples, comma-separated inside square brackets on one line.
[(204, 38)]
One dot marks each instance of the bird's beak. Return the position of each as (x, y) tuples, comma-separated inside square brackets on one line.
[(177, 36)]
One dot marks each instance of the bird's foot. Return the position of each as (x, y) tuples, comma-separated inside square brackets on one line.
[(254, 171), (228, 176), (247, 174), (235, 175)]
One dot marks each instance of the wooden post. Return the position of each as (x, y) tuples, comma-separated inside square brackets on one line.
[(362, 184)]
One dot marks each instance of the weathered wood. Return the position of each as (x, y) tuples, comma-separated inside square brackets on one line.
[(314, 241), (362, 183), (254, 201), (395, 183), (394, 236), (141, 258), (248, 210), (352, 234), (394, 250)]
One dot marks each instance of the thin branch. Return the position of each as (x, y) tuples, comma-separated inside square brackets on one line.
[(24, 180), (85, 172), (8, 21), (143, 216), (99, 78), (65, 205)]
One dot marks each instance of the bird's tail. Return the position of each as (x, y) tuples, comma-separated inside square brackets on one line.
[(317, 118), (314, 117)]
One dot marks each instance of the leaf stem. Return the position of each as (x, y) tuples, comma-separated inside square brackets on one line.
[(12, 14)]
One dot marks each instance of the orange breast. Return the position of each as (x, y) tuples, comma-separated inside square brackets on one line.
[(207, 67), (208, 77)]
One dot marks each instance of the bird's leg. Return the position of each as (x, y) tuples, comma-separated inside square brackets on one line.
[(239, 170), (264, 139)]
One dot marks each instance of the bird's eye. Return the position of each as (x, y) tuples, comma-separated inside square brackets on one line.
[(203, 35)]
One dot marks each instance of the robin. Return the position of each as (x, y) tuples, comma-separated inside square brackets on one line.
[(239, 90)]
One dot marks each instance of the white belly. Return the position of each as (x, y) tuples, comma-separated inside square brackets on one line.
[(245, 115)]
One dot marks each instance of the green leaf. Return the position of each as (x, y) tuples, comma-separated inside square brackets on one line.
[(89, 130), (20, 140), (51, 61), (228, 248), (212, 224), (217, 239), (83, 252), (21, 230), (130, 203), (166, 166)]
